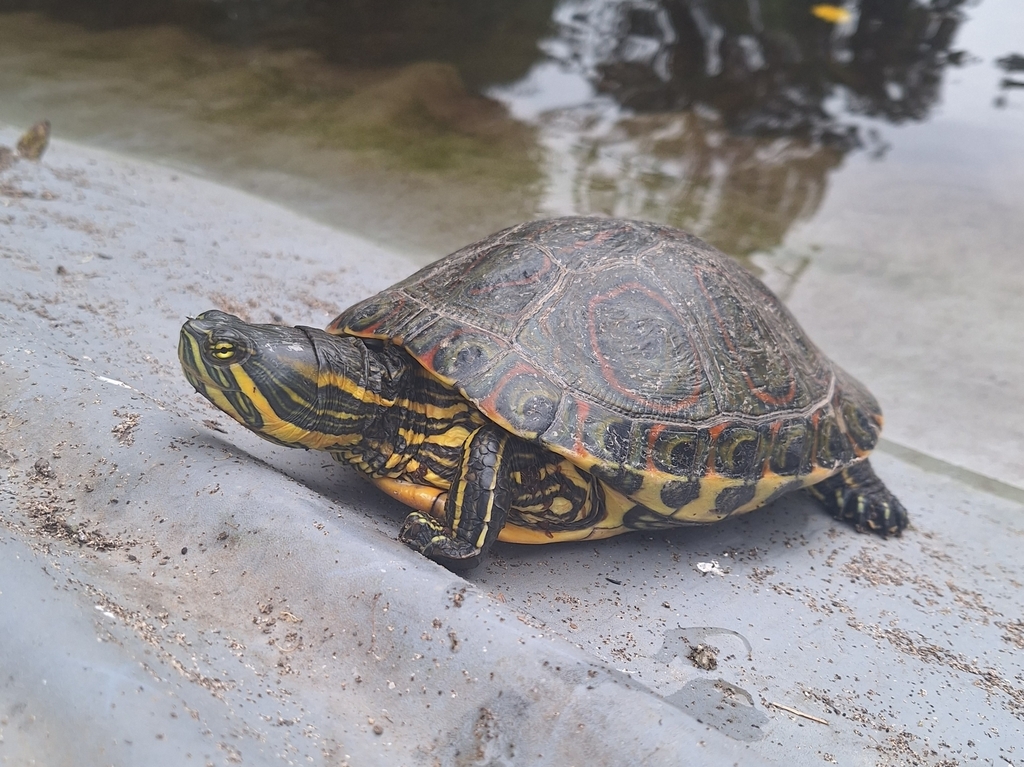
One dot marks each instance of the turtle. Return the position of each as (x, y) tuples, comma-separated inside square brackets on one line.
[(561, 380)]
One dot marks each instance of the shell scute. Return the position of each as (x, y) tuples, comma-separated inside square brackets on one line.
[(381, 316), (738, 451), (833, 449), (732, 498), (679, 451), (676, 494), (462, 351), (791, 448), (516, 393), (495, 288), (618, 341)]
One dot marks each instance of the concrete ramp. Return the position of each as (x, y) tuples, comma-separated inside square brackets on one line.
[(173, 590)]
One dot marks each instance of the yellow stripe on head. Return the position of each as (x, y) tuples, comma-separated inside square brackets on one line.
[(272, 380)]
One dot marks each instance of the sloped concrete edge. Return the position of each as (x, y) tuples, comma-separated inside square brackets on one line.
[(172, 594)]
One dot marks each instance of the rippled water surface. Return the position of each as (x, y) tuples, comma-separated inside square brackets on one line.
[(866, 159)]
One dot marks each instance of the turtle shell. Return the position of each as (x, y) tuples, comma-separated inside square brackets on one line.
[(635, 350)]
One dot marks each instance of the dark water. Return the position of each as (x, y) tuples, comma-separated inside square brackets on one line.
[(765, 68)]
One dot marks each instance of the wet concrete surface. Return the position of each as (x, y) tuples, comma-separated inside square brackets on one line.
[(175, 590)]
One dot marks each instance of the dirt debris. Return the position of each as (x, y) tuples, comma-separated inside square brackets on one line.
[(147, 632), (125, 430), (1013, 632), (988, 679), (52, 519), (704, 656), (888, 570)]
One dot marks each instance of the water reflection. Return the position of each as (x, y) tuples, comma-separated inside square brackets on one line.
[(1013, 65), (724, 118), (741, 193)]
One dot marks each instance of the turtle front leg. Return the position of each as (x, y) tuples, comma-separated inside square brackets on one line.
[(857, 495), (476, 507)]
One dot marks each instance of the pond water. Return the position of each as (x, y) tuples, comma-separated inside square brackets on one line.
[(866, 160)]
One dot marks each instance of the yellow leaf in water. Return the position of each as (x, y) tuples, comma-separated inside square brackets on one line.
[(833, 14)]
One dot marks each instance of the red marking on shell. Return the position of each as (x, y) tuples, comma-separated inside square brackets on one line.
[(489, 403), (336, 327), (815, 432), (652, 438), (428, 357), (582, 411), (608, 372), (713, 434), (597, 239)]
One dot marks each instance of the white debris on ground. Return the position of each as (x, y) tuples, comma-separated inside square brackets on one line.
[(711, 568)]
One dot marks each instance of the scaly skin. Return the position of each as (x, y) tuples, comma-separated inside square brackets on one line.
[(856, 495)]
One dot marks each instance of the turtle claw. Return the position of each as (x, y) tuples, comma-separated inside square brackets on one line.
[(430, 538), (856, 495)]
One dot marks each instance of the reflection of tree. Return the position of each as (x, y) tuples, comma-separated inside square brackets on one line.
[(1013, 65), (740, 192), (768, 67), (726, 117), (721, 116), (1012, 62), (900, 48)]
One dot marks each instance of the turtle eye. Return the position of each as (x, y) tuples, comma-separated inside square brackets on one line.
[(223, 350), (225, 346)]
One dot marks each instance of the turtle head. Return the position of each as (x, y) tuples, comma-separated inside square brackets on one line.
[(270, 378)]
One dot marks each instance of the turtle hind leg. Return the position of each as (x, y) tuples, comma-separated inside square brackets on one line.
[(857, 495)]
